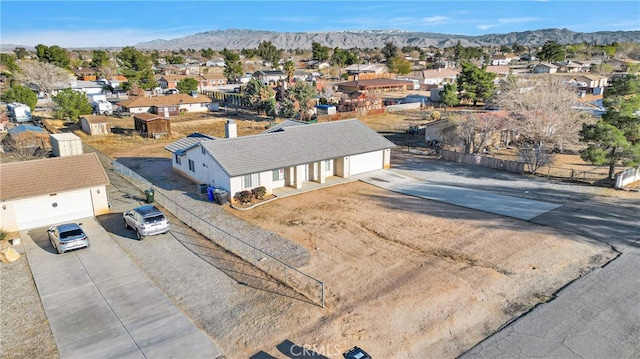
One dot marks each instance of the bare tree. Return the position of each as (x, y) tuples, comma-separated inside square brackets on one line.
[(535, 157), (474, 132), (543, 110), (42, 76)]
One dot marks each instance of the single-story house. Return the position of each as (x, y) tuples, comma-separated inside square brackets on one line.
[(167, 105), (366, 69), (214, 63), (435, 77), (374, 85), (150, 125), (270, 76), (290, 156), (500, 71), (171, 81), (95, 125), (44, 192), (545, 68), (591, 84), (211, 80)]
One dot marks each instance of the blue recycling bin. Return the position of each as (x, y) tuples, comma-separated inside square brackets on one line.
[(210, 193)]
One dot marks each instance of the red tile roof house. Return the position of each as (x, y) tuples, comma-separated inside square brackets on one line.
[(166, 106), (40, 193)]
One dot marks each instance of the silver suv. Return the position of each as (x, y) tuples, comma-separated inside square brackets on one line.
[(146, 221)]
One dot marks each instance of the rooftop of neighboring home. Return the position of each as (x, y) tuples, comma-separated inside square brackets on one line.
[(375, 83), (183, 144), (438, 73), (168, 100), (20, 129), (178, 78), (365, 67), (149, 117), (50, 175)]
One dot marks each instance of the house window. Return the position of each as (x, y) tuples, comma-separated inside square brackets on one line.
[(178, 160), (203, 150), (327, 165), (192, 166), (251, 181), (278, 175)]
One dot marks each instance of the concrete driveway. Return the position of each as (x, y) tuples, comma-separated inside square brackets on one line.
[(516, 207), (99, 304)]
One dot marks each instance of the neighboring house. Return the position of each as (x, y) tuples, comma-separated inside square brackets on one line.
[(26, 137), (171, 81), (435, 77), (40, 193), (499, 60), (288, 157), (167, 105), (95, 125), (500, 71), (210, 81), (271, 76), (366, 68), (152, 126), (86, 73), (590, 84), (545, 68), (380, 85), (315, 64), (214, 63)]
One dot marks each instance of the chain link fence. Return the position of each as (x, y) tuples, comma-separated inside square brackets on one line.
[(303, 283)]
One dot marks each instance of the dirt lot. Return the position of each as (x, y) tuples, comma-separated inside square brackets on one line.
[(412, 278)]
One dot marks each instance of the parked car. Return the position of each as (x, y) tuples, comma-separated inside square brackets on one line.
[(146, 221), (356, 353), (171, 92), (65, 237)]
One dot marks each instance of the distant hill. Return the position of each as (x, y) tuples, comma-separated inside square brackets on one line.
[(249, 39)]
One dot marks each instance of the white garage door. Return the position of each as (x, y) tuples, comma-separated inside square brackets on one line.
[(365, 162), (44, 211)]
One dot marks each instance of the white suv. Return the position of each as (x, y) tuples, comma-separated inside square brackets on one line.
[(146, 221)]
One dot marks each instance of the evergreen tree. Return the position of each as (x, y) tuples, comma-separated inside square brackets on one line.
[(187, 85), (233, 68), (319, 52), (71, 104), (551, 51), (21, 94), (475, 84), (615, 139), (449, 96)]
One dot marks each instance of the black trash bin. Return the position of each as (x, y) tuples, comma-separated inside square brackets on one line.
[(150, 195)]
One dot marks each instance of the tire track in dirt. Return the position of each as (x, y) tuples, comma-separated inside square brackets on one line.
[(446, 254)]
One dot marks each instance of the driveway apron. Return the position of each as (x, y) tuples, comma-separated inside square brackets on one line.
[(99, 304)]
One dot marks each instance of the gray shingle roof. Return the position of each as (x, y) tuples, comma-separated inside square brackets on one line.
[(183, 144), (283, 124), (295, 145)]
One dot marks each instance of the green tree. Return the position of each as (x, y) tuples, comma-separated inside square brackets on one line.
[(70, 104), (390, 50), (289, 69), (399, 65), (233, 67), (136, 66), (475, 84), (21, 94), (551, 51), (9, 61), (268, 52), (206, 53), (259, 95), (298, 100), (174, 59), (99, 58), (449, 96), (54, 55), (517, 48), (319, 52), (615, 139), (187, 85), (20, 52)]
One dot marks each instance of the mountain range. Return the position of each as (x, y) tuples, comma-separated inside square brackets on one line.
[(249, 39)]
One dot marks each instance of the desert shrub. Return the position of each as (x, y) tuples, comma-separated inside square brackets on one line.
[(243, 197), (259, 192), (3, 234)]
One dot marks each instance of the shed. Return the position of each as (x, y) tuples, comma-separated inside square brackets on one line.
[(95, 125), (65, 144), (150, 125), (27, 136), (325, 110)]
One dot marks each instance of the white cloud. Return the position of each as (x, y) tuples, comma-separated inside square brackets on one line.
[(486, 26), (435, 20)]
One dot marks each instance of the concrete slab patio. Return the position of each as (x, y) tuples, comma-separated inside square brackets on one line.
[(99, 304), (516, 207)]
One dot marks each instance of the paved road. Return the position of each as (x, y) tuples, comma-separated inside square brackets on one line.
[(99, 304)]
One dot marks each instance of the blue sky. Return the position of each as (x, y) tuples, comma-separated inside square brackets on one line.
[(122, 23)]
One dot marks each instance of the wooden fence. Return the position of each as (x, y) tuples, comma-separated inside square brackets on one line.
[(483, 161)]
